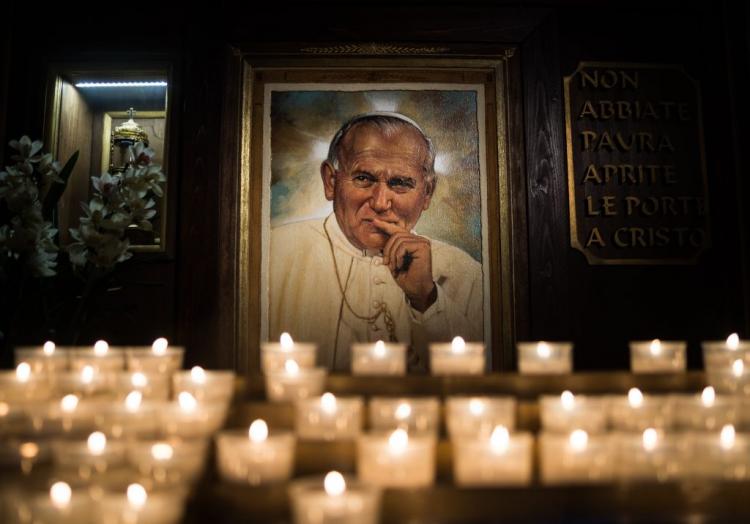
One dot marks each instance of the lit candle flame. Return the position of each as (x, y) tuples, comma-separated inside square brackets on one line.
[(328, 403), (727, 437), (738, 368), (403, 411), (96, 443), (23, 372), (398, 441), (543, 350), (379, 349), (458, 345), (258, 431), (476, 407), (635, 398), (500, 440), (187, 402), (291, 367), (568, 400), (139, 380), (650, 439), (159, 347), (133, 401), (708, 396), (48, 348), (578, 440), (69, 403), (655, 347), (28, 450), (334, 484), (162, 451), (4, 409), (101, 348), (198, 375), (287, 344), (87, 374), (733, 341), (137, 495), (60, 494)]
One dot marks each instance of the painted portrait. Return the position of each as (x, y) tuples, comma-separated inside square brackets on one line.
[(375, 219)]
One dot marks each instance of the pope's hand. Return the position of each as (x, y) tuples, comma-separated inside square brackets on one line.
[(409, 257)]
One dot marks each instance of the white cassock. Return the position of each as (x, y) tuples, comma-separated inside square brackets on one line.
[(305, 295)]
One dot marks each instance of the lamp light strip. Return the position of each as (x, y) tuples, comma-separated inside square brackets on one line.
[(121, 84)]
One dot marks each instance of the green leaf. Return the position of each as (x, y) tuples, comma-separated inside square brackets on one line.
[(57, 189)]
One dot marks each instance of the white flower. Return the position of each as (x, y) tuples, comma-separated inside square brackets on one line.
[(143, 155), (106, 184), (26, 149)]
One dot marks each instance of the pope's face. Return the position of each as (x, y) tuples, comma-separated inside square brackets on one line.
[(379, 177)]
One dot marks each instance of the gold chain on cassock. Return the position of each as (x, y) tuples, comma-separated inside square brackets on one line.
[(381, 307)]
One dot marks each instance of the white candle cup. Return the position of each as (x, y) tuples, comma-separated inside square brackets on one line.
[(575, 458), (191, 419), (206, 385), (168, 463), (159, 507), (328, 418), (15, 420), (47, 359), (379, 358), (474, 417), (83, 460), (293, 386), (638, 412), (153, 386), (88, 382), (273, 355), (567, 412), (23, 455), (493, 461), (75, 416), (539, 358), (159, 360), (22, 385), (731, 380), (396, 459), (60, 506), (719, 355), (312, 503), (415, 414), (262, 461), (704, 412), (650, 455), (128, 420), (719, 455), (658, 356), (110, 360), (457, 358)]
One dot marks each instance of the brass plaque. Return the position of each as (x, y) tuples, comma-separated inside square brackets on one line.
[(636, 170)]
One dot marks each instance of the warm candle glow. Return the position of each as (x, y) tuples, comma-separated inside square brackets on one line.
[(133, 401), (738, 367), (708, 396), (379, 349), (258, 431), (650, 439), (733, 341), (727, 437), (139, 380), (69, 403), (60, 494), (23, 372), (334, 484), (48, 348), (500, 440), (97, 443), (458, 345), (137, 495), (159, 347), (655, 347), (4, 409), (291, 367), (403, 411), (476, 407), (162, 451), (101, 348), (543, 350), (187, 402), (28, 450), (328, 403), (398, 441), (87, 374), (287, 344), (198, 375), (635, 398), (568, 400), (578, 440)]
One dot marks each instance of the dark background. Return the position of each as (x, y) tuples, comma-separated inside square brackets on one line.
[(559, 297)]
